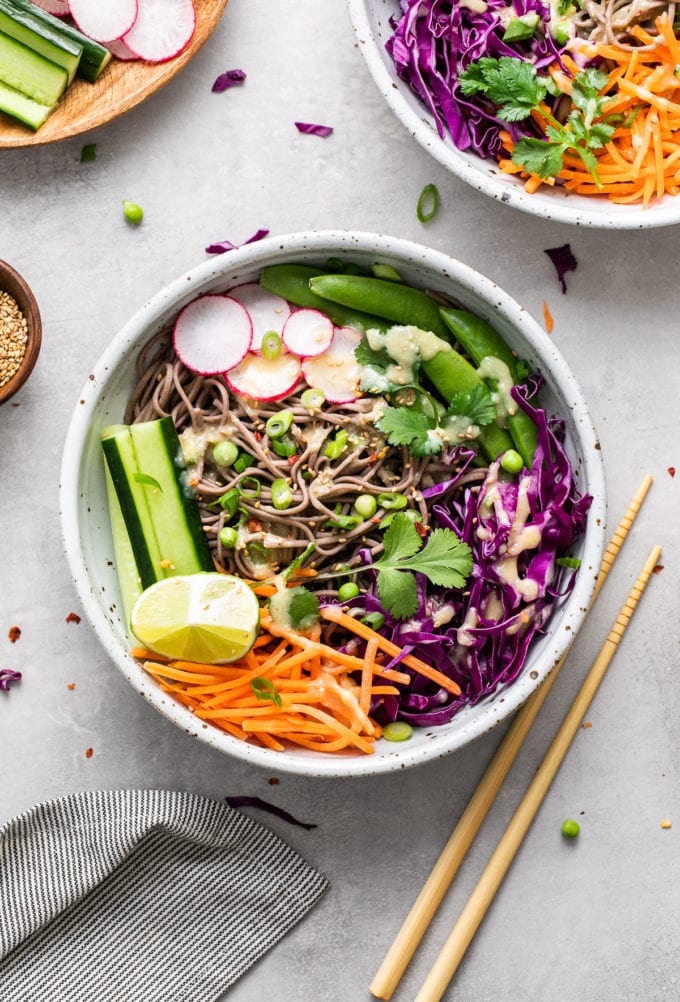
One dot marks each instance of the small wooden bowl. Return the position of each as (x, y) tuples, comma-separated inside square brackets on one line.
[(12, 282)]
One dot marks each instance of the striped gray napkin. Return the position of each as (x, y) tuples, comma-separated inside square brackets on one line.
[(141, 896)]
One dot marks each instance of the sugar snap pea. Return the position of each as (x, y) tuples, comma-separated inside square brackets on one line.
[(292, 282), (480, 340)]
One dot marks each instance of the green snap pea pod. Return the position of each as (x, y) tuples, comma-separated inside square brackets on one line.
[(480, 340), (292, 282), (402, 304), (448, 371)]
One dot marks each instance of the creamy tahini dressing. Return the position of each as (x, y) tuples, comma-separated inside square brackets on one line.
[(493, 368), (406, 345)]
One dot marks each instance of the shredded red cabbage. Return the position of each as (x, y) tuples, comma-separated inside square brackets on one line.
[(226, 245), (516, 530), (8, 677), (435, 40), (309, 129), (230, 78), (564, 261)]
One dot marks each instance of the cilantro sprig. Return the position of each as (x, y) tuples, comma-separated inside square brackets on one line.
[(516, 89), (425, 434)]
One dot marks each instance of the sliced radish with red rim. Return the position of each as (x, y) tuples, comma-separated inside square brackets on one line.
[(119, 50), (212, 334), (308, 332), (104, 22), (60, 8), (264, 378), (336, 371), (162, 30), (268, 311)]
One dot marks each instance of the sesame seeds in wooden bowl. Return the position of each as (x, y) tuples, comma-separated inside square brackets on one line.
[(20, 331)]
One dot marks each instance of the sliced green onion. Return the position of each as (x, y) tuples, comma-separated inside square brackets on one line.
[(386, 271), (337, 445), (391, 501), (146, 478), (344, 522), (414, 516), (522, 27), (228, 537), (397, 730), (347, 591), (282, 494), (228, 501), (243, 462), (284, 447), (572, 562), (225, 453), (374, 619), (264, 688), (271, 345), (366, 505), (428, 203), (250, 487), (312, 399), (278, 424)]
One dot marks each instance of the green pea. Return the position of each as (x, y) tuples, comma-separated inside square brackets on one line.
[(132, 212), (347, 591), (228, 537), (366, 505), (570, 828), (282, 494), (398, 730), (225, 453), (511, 461)]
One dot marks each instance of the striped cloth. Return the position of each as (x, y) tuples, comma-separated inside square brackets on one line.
[(141, 896)]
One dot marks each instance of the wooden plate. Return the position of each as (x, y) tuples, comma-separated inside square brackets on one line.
[(121, 86)]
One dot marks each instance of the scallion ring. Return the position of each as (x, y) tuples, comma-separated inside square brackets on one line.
[(278, 424), (391, 501), (250, 487), (271, 345), (428, 203), (282, 494), (313, 399)]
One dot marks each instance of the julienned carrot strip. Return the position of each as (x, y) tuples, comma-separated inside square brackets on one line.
[(367, 675), (335, 614)]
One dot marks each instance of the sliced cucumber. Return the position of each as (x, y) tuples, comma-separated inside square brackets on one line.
[(95, 57), (155, 519), (33, 75), (23, 108), (23, 27), (173, 508)]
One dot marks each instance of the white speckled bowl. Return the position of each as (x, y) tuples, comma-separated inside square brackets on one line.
[(84, 512), (371, 21)]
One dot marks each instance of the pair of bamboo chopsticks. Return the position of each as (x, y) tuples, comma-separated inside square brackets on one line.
[(446, 867)]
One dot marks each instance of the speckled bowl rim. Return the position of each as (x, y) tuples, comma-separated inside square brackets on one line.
[(215, 272), (578, 210)]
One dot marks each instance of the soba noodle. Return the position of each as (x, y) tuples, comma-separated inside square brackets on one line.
[(324, 490)]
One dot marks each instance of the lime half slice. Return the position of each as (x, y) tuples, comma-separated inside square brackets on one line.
[(210, 618)]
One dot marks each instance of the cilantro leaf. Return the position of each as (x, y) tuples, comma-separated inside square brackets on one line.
[(513, 85), (365, 355), (477, 405), (303, 609), (445, 560), (408, 426), (264, 688), (538, 156)]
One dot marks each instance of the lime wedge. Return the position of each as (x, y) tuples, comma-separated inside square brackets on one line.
[(210, 618)]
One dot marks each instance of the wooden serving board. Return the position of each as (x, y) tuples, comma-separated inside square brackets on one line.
[(120, 87)]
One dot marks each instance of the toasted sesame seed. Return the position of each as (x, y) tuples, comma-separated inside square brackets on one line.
[(13, 337)]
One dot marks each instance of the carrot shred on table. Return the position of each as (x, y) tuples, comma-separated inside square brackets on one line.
[(548, 318)]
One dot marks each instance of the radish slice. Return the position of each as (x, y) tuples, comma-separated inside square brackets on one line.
[(60, 8), (119, 50), (162, 30), (104, 22), (336, 372), (268, 311), (265, 378), (308, 332), (212, 334)]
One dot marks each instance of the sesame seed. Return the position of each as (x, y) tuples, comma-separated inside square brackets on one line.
[(13, 337)]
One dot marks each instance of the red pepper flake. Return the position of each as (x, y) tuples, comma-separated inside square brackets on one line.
[(73, 617), (671, 470), (258, 436), (586, 724), (372, 458), (14, 634), (89, 752), (420, 529), (657, 569), (70, 685), (254, 525), (292, 460), (274, 781), (548, 318)]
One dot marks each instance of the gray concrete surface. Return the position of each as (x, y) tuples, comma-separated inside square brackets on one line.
[(597, 919)]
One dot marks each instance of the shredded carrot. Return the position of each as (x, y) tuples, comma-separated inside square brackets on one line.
[(548, 318), (640, 162)]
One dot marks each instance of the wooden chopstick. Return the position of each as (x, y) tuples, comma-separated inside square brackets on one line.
[(474, 911), (418, 919)]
